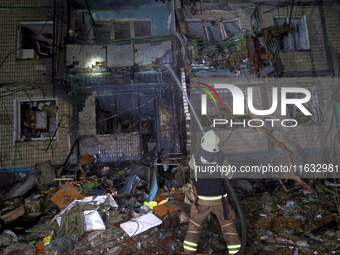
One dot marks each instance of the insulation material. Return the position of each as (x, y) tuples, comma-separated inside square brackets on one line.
[(142, 52), (120, 55), (93, 221)]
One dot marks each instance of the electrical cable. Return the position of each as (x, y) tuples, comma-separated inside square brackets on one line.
[(51, 140), (127, 110), (20, 46), (9, 55)]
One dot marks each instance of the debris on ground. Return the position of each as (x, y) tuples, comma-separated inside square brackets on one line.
[(134, 207)]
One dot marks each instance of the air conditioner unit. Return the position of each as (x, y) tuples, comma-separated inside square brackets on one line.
[(27, 54)]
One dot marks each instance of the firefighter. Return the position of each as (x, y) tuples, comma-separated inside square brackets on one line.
[(212, 197)]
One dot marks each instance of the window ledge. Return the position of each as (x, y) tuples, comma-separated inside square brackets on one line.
[(309, 50)]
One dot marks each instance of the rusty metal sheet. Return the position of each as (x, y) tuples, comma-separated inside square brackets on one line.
[(65, 194), (14, 214)]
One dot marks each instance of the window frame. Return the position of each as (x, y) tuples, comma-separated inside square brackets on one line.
[(222, 29), (19, 43), (17, 137), (136, 111), (132, 27), (306, 34), (205, 26)]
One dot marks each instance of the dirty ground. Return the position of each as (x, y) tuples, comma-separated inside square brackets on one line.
[(140, 207)]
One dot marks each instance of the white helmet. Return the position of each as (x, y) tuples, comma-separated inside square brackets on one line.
[(210, 141)]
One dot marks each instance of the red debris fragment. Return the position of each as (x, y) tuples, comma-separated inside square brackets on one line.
[(166, 239)]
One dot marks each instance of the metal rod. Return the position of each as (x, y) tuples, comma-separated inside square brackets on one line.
[(168, 66), (53, 47)]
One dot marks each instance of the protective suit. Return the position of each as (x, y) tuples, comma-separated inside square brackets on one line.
[(209, 166)]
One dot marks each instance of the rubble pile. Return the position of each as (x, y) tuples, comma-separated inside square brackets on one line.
[(140, 207), (293, 222)]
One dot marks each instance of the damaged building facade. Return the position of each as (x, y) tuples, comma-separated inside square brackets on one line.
[(129, 107), (105, 86), (35, 115), (105, 97), (102, 89), (260, 45)]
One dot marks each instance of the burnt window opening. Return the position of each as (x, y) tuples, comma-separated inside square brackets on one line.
[(119, 114), (313, 106), (142, 28), (218, 112), (212, 30), (36, 120), (297, 38), (121, 30), (101, 32), (34, 40), (148, 126)]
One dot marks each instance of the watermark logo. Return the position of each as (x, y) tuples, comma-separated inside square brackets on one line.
[(239, 99), (211, 96)]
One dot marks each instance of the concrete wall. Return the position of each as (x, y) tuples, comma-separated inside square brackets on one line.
[(27, 153), (29, 79), (244, 16), (300, 60), (114, 146), (14, 70)]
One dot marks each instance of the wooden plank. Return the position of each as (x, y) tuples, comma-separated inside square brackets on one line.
[(14, 214), (172, 193)]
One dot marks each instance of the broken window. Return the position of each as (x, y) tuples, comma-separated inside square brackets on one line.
[(122, 114), (297, 38), (35, 40), (130, 113), (313, 106), (36, 120), (142, 28), (212, 30)]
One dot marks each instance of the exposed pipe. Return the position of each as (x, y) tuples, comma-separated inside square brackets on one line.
[(168, 66)]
